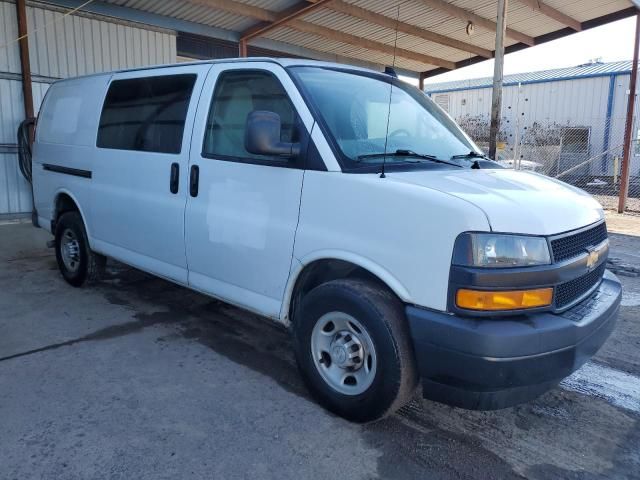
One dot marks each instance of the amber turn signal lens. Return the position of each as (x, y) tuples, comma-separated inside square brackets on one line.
[(509, 300)]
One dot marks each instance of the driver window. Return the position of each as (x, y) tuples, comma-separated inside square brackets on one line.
[(237, 94)]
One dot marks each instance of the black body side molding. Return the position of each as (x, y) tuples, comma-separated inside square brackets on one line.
[(76, 172)]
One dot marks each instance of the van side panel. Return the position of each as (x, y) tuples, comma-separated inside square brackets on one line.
[(65, 143)]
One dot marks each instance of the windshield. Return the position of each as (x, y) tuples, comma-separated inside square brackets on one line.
[(354, 108)]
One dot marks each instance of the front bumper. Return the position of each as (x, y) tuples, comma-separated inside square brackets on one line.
[(492, 363)]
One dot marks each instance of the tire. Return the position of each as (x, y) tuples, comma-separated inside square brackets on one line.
[(77, 263), (381, 383)]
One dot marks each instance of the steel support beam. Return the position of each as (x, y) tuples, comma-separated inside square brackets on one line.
[(238, 8), (553, 13), (628, 130), (25, 65), (282, 18), (391, 23), (498, 72), (545, 38), (367, 44), (468, 16)]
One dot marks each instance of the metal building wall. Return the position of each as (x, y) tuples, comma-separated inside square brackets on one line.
[(577, 102), (62, 47), (618, 118), (574, 101)]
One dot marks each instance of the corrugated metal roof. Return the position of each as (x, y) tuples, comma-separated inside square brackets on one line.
[(192, 12), (232, 17), (580, 71)]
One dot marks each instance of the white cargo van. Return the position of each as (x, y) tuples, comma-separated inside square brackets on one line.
[(343, 203)]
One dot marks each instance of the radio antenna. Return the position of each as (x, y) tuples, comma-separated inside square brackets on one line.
[(393, 74)]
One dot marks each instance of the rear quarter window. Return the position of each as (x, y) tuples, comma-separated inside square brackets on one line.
[(146, 114), (69, 114)]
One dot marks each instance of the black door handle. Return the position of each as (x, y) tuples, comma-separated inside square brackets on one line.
[(174, 178), (194, 180)]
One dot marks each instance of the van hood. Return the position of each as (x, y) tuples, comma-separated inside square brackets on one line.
[(513, 201)]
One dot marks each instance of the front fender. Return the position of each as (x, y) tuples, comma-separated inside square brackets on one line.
[(367, 264)]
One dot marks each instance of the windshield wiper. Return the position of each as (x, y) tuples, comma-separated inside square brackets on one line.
[(408, 153), (472, 154)]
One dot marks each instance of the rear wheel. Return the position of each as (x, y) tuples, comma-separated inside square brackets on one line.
[(77, 263), (353, 348)]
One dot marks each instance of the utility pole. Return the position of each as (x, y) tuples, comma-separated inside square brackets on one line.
[(498, 68), (626, 158)]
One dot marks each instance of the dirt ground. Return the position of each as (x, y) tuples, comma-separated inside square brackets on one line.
[(627, 224), (137, 378)]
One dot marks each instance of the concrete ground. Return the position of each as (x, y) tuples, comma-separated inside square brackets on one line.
[(139, 379)]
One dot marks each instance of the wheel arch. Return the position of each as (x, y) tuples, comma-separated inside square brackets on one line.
[(321, 267), (65, 201)]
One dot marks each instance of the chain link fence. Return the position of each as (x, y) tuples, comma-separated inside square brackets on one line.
[(587, 155)]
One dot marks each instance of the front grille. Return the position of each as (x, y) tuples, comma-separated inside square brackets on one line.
[(570, 246), (567, 292)]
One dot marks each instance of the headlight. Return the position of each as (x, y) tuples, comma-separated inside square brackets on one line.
[(501, 250)]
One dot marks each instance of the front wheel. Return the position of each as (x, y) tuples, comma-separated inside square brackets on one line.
[(353, 348)]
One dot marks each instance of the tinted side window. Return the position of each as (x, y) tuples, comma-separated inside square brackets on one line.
[(237, 94), (146, 114)]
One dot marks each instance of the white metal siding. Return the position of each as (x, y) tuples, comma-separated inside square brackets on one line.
[(575, 101), (619, 116), (9, 55), (14, 191), (579, 102), (77, 46), (60, 48)]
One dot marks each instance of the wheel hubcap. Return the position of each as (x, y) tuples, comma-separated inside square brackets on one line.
[(70, 250), (343, 353), (347, 350)]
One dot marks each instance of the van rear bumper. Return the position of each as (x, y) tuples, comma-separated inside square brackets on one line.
[(488, 364)]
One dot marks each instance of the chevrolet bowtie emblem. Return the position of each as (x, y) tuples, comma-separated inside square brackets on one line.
[(594, 255)]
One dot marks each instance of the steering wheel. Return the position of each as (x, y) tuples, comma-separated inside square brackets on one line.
[(400, 132)]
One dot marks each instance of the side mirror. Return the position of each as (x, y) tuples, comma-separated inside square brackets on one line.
[(262, 136)]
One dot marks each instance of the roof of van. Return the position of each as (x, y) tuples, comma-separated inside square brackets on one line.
[(284, 62)]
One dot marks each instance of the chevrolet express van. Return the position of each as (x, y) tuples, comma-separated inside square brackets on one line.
[(342, 203)]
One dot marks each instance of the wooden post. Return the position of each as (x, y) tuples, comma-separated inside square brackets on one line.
[(626, 157), (421, 82), (242, 48), (496, 97), (27, 91)]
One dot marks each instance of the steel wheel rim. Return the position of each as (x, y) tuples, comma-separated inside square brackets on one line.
[(343, 353), (70, 250)]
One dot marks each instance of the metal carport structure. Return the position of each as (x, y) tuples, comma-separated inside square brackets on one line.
[(421, 38), (432, 34)]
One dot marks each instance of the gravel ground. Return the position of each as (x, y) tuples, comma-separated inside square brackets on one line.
[(138, 378)]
